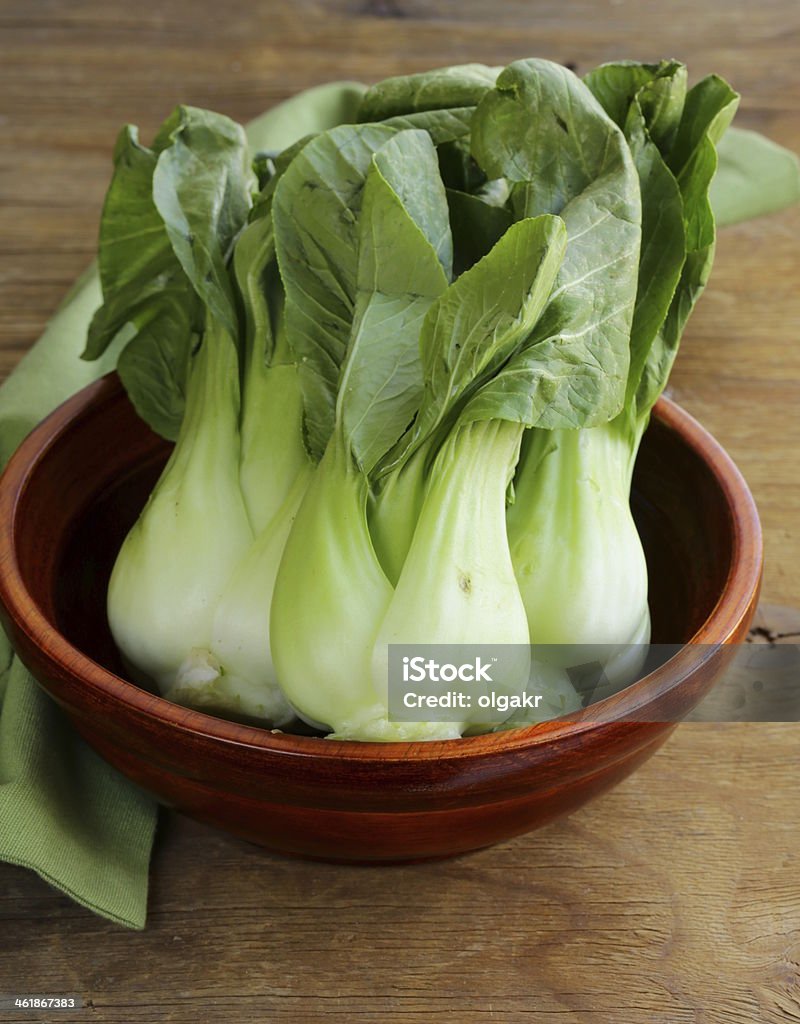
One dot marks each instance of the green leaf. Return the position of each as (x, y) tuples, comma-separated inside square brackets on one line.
[(315, 211), (153, 369), (134, 251), (409, 166), (193, 183), (659, 90), (755, 176), (256, 272), (543, 131), (708, 111), (663, 250), (270, 173), (261, 300), (133, 241), (647, 100), (443, 126), (440, 102), (201, 189), (148, 302), (484, 316), (404, 240), (459, 86), (710, 107)]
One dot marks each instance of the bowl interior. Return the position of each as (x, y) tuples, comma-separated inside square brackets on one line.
[(680, 509)]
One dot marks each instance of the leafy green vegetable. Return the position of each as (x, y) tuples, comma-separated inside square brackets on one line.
[(571, 523), (201, 190), (146, 295), (474, 328), (657, 90), (647, 102), (330, 587), (176, 562), (315, 211), (462, 563), (186, 199), (393, 295), (443, 126), (576, 553), (461, 86), (570, 368), (709, 109), (272, 403), (573, 370), (214, 529), (408, 340)]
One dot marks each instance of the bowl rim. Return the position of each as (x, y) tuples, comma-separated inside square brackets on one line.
[(737, 598)]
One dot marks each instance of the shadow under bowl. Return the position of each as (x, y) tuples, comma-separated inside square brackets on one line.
[(75, 487)]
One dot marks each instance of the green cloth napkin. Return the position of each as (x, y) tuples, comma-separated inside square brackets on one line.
[(64, 812)]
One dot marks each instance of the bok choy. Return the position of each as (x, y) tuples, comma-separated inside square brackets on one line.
[(407, 355)]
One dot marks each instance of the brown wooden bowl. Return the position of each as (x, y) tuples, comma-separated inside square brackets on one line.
[(76, 485)]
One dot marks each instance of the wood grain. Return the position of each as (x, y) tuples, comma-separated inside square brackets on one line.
[(672, 900), (649, 907)]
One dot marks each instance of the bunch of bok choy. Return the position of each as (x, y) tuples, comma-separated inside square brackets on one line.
[(407, 363)]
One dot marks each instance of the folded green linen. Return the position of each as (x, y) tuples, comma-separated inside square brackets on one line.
[(64, 812)]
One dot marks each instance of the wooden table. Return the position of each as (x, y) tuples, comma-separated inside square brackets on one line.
[(674, 899)]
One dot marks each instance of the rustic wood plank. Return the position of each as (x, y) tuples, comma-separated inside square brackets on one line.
[(674, 899), (650, 905)]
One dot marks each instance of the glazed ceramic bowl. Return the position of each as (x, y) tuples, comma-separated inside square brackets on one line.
[(76, 485)]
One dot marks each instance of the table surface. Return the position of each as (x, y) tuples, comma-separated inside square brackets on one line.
[(673, 899)]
